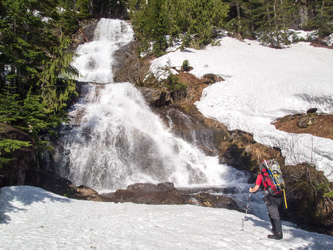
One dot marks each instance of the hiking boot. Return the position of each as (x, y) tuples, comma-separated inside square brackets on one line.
[(277, 226), (277, 236)]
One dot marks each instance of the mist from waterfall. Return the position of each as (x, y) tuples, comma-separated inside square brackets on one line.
[(115, 139)]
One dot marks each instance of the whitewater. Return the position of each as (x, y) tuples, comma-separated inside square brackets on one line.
[(261, 84)]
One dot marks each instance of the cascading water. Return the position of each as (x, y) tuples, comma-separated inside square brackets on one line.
[(95, 58), (116, 140)]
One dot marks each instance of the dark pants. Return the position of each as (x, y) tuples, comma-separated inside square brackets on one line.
[(273, 208)]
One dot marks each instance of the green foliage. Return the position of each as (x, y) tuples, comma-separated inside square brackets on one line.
[(8, 146), (329, 194), (36, 76), (30, 115), (154, 20), (83, 7), (56, 81), (323, 20), (186, 65), (26, 34), (174, 84)]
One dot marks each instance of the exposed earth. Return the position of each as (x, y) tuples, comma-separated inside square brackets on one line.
[(321, 125)]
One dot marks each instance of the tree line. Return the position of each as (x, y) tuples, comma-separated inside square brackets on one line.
[(36, 76), (196, 22)]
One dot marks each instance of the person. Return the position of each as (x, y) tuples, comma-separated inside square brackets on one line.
[(273, 198)]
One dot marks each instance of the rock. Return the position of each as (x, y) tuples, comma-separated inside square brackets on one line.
[(186, 126), (54, 183), (23, 159), (312, 111), (308, 207), (235, 156), (211, 78), (85, 33), (129, 67), (166, 193), (146, 193), (306, 121), (303, 122), (155, 98), (218, 201)]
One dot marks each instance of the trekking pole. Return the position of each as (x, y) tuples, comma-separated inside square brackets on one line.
[(247, 208)]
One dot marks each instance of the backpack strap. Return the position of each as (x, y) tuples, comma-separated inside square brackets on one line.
[(272, 191)]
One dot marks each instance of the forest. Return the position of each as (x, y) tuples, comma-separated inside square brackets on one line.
[(36, 76)]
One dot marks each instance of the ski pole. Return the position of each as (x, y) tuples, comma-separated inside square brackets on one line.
[(247, 208)]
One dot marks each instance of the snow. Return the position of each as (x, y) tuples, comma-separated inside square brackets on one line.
[(261, 85), (32, 218)]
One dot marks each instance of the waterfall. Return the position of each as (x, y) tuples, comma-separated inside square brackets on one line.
[(115, 140), (95, 59)]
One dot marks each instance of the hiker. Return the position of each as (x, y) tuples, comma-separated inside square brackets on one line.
[(272, 198)]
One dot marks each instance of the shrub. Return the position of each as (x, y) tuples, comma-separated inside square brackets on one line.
[(186, 66), (174, 84)]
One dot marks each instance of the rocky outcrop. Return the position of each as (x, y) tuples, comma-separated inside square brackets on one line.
[(85, 33), (146, 193), (166, 193), (23, 158), (54, 183), (308, 206), (130, 67), (156, 98)]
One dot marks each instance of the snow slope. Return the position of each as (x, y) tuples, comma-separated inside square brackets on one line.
[(32, 218), (261, 85)]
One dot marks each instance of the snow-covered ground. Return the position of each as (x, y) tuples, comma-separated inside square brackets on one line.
[(32, 218), (261, 85)]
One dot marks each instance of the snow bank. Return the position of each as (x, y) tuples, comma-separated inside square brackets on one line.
[(32, 218), (261, 85)]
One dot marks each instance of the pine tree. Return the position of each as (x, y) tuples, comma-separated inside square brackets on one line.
[(36, 76), (323, 20)]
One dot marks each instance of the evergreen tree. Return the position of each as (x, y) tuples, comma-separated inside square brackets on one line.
[(323, 20), (36, 76), (154, 19)]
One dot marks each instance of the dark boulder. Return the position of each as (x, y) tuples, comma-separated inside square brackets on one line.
[(147, 193)]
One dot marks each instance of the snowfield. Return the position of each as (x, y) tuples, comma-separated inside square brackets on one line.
[(261, 85), (32, 218)]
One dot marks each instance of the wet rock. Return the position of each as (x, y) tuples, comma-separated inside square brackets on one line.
[(85, 33), (235, 156), (54, 183), (155, 98), (166, 193), (146, 193), (190, 129)]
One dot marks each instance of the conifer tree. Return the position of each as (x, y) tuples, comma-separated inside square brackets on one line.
[(36, 76), (323, 20)]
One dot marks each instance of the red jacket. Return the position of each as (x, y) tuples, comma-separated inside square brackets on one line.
[(266, 182)]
